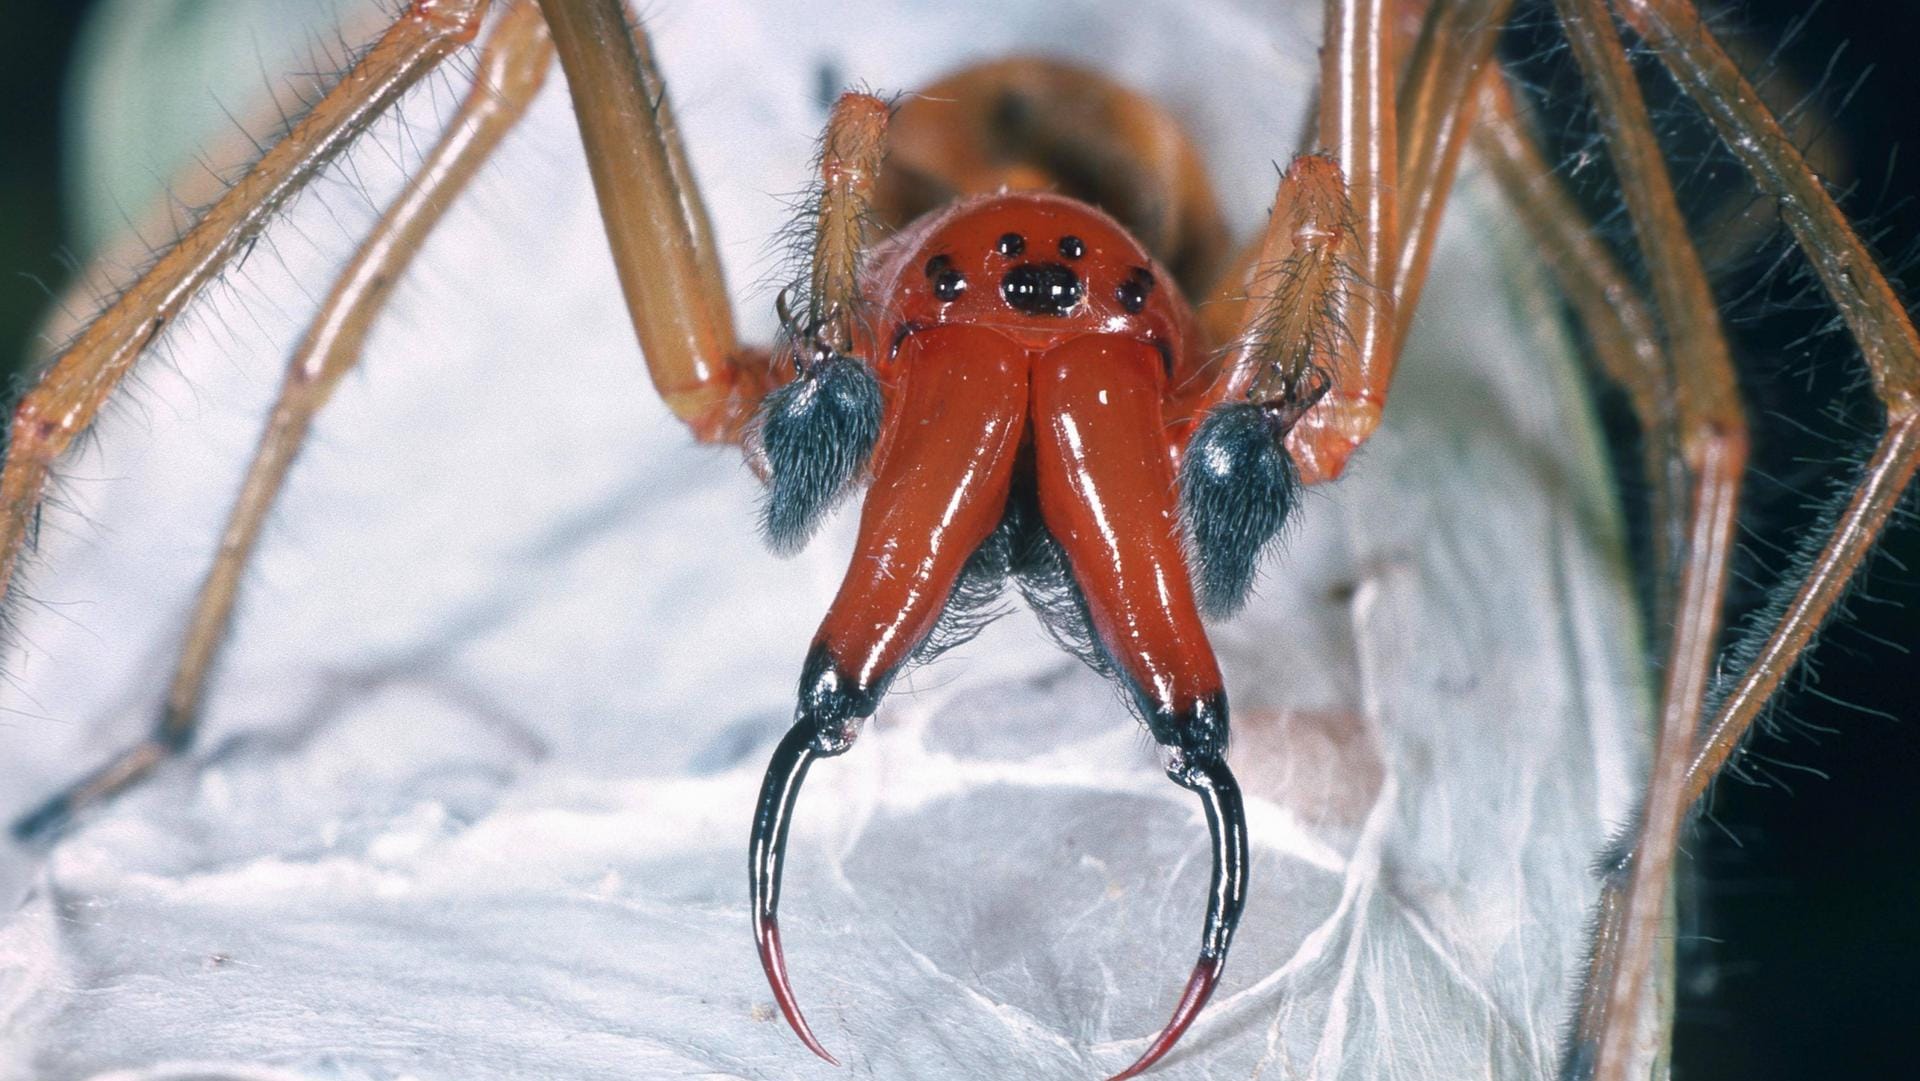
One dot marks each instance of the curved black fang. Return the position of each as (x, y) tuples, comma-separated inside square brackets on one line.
[(767, 851), (1226, 896)]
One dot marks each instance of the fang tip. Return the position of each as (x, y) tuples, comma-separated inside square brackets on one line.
[(1199, 988), (1209, 777), (767, 852), (767, 932)]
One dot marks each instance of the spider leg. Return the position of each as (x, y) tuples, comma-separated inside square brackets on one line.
[(656, 224), (1618, 324), (1713, 445), (1358, 127), (1873, 313), (941, 479), (1357, 336), (65, 400), (1436, 108), (1106, 493), (1300, 300), (1296, 331), (1434, 112), (816, 431), (1301, 293), (1684, 767), (511, 70), (851, 152)]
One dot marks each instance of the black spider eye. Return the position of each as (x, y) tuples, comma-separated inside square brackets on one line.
[(1132, 293), (948, 283), (1072, 247), (1011, 244)]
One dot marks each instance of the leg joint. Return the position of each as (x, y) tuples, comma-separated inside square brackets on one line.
[(32, 434), (1715, 444), (460, 17)]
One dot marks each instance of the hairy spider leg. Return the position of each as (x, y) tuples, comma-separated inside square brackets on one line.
[(1436, 109), (1713, 443), (512, 68), (1372, 220), (941, 479), (1873, 313), (1357, 126), (510, 73), (1634, 886), (1301, 293), (851, 153), (65, 399), (1617, 322)]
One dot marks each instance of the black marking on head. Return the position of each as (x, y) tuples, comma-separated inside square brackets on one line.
[(816, 433), (1237, 484), (1010, 244), (1132, 293), (1166, 356), (900, 334), (948, 283), (1072, 247), (1041, 289)]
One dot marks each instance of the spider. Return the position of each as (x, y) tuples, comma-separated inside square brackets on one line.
[(1310, 324)]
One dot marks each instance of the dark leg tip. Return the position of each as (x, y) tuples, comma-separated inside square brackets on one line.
[(1581, 1058), (43, 823), (175, 731), (46, 821)]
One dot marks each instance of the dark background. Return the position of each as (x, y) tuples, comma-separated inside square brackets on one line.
[(1801, 943)]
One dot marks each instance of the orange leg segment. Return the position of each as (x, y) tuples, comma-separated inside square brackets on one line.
[(1358, 125), (69, 395), (655, 222)]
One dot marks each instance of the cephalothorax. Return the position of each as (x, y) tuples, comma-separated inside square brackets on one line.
[(1024, 374)]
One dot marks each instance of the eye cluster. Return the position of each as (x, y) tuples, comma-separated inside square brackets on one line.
[(1041, 287)]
